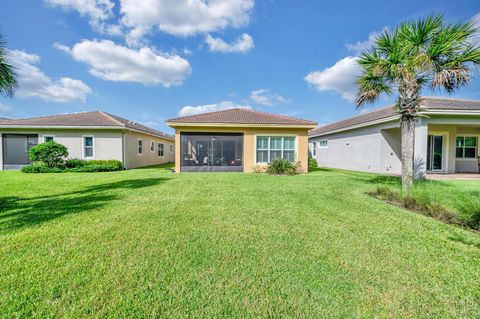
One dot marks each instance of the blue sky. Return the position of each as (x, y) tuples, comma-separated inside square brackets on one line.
[(152, 60)]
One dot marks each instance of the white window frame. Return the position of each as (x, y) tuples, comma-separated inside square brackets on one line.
[(314, 149), (48, 135), (268, 149), (162, 149), (171, 148), (324, 142), (152, 146), (84, 147), (139, 140), (463, 158)]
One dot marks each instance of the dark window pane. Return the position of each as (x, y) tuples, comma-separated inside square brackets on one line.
[(262, 156), (470, 152), (289, 143), (471, 141), (275, 154), (275, 143), (459, 152), (48, 138), (289, 155), (88, 141), (88, 152), (460, 141), (262, 142)]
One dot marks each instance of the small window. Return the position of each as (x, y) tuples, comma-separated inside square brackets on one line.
[(466, 147), (171, 148), (88, 146), (140, 147), (152, 146), (160, 149), (48, 138), (323, 144), (314, 149)]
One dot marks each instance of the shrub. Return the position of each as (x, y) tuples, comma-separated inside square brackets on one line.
[(259, 168), (52, 154), (95, 168), (282, 166), (113, 164), (40, 168), (81, 165), (312, 164), (74, 163)]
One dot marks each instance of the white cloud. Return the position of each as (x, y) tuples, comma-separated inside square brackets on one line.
[(113, 62), (224, 105), (243, 44), (97, 10), (339, 78), (34, 83), (361, 46), (265, 97), (186, 17)]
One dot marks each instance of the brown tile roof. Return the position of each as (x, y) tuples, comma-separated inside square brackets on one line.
[(84, 119), (241, 116), (428, 103)]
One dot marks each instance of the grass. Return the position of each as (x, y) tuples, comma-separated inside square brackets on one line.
[(150, 243)]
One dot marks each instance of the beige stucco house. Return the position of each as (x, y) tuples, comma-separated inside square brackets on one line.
[(446, 140), (238, 140), (87, 135)]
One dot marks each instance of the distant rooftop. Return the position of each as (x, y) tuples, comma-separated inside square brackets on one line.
[(428, 103), (241, 116), (83, 119)]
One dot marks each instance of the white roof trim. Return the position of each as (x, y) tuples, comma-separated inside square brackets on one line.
[(82, 128)]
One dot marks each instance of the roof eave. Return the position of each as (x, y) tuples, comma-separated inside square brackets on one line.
[(181, 124)]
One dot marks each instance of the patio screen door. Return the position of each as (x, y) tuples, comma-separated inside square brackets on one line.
[(435, 153)]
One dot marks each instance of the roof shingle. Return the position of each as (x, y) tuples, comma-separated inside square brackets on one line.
[(428, 103), (84, 119), (241, 116)]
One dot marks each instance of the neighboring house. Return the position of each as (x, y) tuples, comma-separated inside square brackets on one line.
[(87, 135), (238, 140), (446, 140), (4, 119)]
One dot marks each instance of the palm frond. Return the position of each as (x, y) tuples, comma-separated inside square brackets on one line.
[(8, 76), (371, 87)]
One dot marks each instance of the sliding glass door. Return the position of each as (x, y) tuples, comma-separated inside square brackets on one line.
[(211, 152), (435, 153)]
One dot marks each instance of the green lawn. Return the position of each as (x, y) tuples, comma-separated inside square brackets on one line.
[(149, 243)]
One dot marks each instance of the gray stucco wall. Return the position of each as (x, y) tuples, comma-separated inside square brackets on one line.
[(108, 144), (373, 149)]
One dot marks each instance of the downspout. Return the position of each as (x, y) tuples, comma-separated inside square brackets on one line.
[(123, 149)]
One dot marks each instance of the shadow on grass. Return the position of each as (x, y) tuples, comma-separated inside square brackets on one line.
[(17, 213)]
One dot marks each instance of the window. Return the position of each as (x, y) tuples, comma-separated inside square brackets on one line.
[(466, 147), (160, 148), (140, 147), (171, 148), (152, 146), (323, 144), (48, 138), (314, 149), (88, 147), (273, 147)]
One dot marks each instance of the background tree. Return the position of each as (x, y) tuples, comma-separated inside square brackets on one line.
[(8, 77), (429, 52)]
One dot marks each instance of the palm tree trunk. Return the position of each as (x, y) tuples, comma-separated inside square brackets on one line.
[(408, 136), (408, 107)]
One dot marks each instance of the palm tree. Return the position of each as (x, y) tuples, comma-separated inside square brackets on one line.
[(8, 77), (429, 52)]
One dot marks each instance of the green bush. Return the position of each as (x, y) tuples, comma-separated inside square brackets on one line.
[(312, 163), (41, 168), (74, 163), (282, 166), (52, 154), (78, 166)]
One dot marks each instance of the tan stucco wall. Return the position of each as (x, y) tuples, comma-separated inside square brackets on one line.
[(249, 142), (133, 159)]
